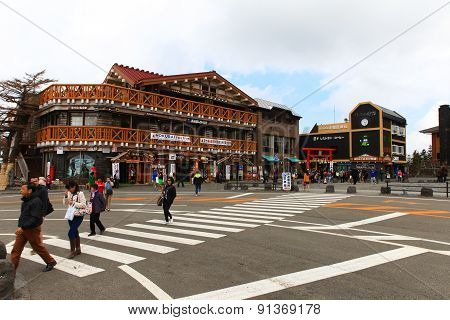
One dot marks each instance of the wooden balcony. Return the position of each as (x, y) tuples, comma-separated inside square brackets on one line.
[(133, 138), (147, 101)]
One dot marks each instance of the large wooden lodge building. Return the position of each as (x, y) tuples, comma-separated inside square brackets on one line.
[(142, 121)]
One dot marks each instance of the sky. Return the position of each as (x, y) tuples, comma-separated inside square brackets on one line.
[(280, 50)]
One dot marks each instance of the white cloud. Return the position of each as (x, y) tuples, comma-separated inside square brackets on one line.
[(244, 37)]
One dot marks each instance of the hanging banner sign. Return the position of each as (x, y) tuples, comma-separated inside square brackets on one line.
[(331, 166), (116, 170), (215, 142), (170, 137), (228, 172), (172, 156)]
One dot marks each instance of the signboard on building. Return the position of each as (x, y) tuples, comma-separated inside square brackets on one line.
[(228, 172), (172, 156), (190, 120), (287, 179), (365, 157), (59, 150), (115, 170), (170, 137), (217, 142), (328, 138), (331, 166)]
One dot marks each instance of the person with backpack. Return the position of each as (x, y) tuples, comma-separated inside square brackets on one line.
[(98, 204), (76, 199), (169, 194), (29, 228), (108, 193), (197, 181)]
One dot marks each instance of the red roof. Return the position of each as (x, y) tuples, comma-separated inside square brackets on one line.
[(133, 75)]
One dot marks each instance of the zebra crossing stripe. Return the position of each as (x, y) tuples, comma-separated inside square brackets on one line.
[(196, 226), (274, 205), (282, 205), (155, 236), (267, 209), (226, 213), (113, 255), (314, 197), (226, 223), (233, 209), (292, 201), (130, 243), (177, 230), (226, 218), (72, 267)]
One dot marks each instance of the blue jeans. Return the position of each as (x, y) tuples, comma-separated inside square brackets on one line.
[(74, 225), (198, 188)]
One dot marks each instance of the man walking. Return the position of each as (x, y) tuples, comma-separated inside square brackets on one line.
[(29, 228), (197, 181)]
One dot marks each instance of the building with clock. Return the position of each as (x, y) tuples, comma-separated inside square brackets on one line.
[(372, 137)]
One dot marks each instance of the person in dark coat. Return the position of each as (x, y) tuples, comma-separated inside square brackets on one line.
[(197, 181), (169, 194), (98, 205), (29, 228)]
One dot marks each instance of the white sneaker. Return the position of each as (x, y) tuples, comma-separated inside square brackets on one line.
[(171, 221), (167, 222)]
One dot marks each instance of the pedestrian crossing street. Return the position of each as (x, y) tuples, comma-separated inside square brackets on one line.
[(188, 229)]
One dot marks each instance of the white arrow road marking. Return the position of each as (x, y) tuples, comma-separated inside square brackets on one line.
[(261, 287), (369, 221), (146, 283)]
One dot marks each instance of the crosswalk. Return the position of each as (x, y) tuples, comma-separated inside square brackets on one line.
[(188, 229)]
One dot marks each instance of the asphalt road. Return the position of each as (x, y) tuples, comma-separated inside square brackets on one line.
[(231, 245)]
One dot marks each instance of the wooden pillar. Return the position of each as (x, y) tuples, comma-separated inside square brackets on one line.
[(308, 158)]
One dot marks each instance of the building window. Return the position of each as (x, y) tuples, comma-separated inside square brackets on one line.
[(90, 119), (266, 144), (400, 150), (76, 119)]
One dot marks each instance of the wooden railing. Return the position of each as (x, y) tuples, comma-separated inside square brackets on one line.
[(146, 100), (132, 137)]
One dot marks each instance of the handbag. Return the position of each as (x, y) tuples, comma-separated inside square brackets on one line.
[(70, 213), (159, 202)]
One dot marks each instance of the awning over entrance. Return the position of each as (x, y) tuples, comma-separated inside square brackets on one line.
[(269, 158), (295, 160)]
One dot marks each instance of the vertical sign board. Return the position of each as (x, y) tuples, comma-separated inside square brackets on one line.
[(172, 169), (331, 166), (286, 181), (115, 168), (241, 171), (228, 172)]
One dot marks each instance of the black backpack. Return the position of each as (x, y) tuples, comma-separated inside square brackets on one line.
[(49, 208)]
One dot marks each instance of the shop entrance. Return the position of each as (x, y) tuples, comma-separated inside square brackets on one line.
[(318, 154)]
